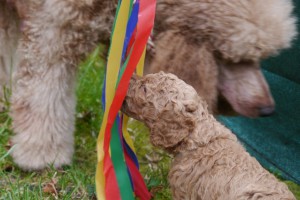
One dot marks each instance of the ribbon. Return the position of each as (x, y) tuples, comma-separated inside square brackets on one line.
[(114, 60), (117, 169)]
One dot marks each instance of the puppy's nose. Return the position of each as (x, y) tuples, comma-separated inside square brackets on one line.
[(266, 111)]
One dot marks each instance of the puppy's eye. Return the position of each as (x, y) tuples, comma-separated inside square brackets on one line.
[(144, 88)]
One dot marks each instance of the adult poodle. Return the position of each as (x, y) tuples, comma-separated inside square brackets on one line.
[(216, 46), (44, 40)]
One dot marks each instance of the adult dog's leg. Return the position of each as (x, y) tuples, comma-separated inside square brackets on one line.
[(57, 33), (191, 61), (8, 44)]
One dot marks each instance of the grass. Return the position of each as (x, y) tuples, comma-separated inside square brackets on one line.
[(77, 181)]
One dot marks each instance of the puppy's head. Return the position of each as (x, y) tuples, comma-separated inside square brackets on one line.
[(166, 104)]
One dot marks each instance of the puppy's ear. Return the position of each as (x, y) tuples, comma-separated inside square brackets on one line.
[(171, 128)]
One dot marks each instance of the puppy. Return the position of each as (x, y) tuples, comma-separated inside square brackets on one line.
[(209, 162)]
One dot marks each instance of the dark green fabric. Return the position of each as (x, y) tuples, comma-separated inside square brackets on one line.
[(275, 140)]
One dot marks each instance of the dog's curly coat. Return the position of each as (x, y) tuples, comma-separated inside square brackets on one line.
[(54, 35), (209, 162)]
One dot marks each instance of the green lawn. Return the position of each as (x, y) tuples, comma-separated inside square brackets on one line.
[(77, 181)]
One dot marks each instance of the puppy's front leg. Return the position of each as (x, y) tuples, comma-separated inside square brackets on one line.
[(56, 34)]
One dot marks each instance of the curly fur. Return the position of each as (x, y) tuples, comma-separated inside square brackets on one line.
[(239, 30), (209, 162), (174, 53)]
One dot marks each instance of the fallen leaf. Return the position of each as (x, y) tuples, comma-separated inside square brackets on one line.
[(50, 187), (156, 189)]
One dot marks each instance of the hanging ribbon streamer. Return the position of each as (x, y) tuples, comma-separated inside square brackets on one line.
[(117, 175)]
